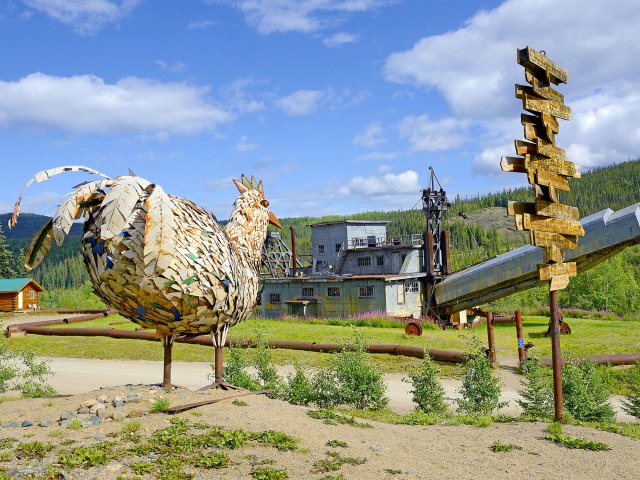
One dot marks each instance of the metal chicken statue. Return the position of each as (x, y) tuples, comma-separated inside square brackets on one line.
[(161, 261)]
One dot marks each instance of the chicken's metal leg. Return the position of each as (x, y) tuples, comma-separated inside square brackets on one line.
[(167, 344), (219, 338)]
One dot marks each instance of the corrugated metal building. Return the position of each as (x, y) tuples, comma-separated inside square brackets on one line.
[(356, 268)]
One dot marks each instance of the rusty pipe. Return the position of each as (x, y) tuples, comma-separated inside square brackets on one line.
[(504, 319), (402, 350), (60, 321), (615, 359)]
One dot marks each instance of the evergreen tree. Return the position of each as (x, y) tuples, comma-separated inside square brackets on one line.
[(537, 396), (6, 259), (21, 270), (631, 404), (427, 392)]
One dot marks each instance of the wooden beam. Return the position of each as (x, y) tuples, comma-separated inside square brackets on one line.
[(538, 105), (552, 225), (547, 179), (552, 165), (513, 164), (556, 210), (553, 254), (544, 93), (518, 208), (550, 270), (536, 61), (559, 282), (524, 148), (547, 149)]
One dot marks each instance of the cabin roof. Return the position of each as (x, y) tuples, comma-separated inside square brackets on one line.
[(17, 284)]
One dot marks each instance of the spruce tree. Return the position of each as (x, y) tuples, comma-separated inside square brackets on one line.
[(427, 392), (21, 270), (631, 404), (6, 259), (537, 396)]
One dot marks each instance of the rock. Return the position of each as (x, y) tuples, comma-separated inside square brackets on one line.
[(83, 410), (103, 399), (27, 423), (84, 416), (45, 422), (118, 403), (134, 398), (100, 437), (65, 423), (118, 415), (95, 420), (153, 391), (96, 407), (135, 413), (105, 412), (88, 403), (67, 415), (118, 398), (10, 425)]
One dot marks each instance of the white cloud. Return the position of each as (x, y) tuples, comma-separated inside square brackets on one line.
[(200, 25), (371, 137), (306, 16), (86, 17), (175, 67), (372, 156), (244, 145), (238, 99), (339, 39), (425, 134), (86, 104), (300, 102), (385, 184), (474, 68)]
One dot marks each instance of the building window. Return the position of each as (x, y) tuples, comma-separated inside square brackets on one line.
[(364, 261), (411, 287), (359, 242), (365, 292), (307, 291), (338, 247), (274, 298), (380, 260), (32, 295), (333, 292), (321, 249)]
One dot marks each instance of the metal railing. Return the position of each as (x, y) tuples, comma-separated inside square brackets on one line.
[(414, 240)]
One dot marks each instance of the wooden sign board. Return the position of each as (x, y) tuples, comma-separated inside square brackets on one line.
[(550, 270), (552, 225), (537, 62), (552, 165), (549, 239), (556, 210), (537, 105)]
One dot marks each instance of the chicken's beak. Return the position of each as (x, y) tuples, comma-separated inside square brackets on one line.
[(274, 221)]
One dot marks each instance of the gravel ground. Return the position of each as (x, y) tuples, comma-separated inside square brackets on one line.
[(386, 451)]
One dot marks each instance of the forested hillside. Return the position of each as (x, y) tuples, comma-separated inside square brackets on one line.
[(612, 187)]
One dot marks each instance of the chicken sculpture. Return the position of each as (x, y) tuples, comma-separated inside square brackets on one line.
[(161, 261)]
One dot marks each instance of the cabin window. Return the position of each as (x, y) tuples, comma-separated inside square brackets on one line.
[(32, 295), (321, 249), (365, 292), (411, 287), (333, 292), (338, 247), (274, 298), (380, 260), (364, 261), (307, 291)]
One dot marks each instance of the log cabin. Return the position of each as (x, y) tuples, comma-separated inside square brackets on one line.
[(19, 294)]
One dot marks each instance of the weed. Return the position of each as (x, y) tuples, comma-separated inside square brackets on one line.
[(393, 471), (171, 469), (160, 405), (298, 389), (279, 440), (337, 443), (85, 456), (631, 404), (332, 418), (234, 370), (6, 456), (75, 424), (7, 442), (554, 434), (34, 449), (427, 392), (132, 426), (335, 461), (56, 432), (212, 460), (585, 393), (269, 473), (333, 477), (240, 403), (480, 389), (140, 468), (498, 446)]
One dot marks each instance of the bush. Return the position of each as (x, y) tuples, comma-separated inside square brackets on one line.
[(480, 390), (585, 392), (631, 404), (234, 371), (537, 396), (427, 392), (298, 389), (20, 371)]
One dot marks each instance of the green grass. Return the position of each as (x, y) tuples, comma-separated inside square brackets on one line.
[(589, 337), (555, 435), (499, 446)]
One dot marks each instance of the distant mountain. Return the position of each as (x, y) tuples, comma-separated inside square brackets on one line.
[(28, 224)]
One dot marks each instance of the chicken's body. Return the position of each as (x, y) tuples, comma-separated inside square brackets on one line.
[(161, 261)]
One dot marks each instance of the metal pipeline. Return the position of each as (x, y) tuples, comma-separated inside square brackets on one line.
[(16, 327), (614, 359), (402, 350)]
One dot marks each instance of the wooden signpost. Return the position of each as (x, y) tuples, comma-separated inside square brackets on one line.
[(552, 225)]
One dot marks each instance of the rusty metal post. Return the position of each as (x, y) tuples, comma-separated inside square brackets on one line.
[(218, 365), (556, 355), (294, 260), (522, 352), (491, 339), (166, 377), (446, 253)]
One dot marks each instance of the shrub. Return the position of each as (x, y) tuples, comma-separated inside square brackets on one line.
[(585, 392), (480, 390), (298, 389), (20, 371), (324, 389), (631, 404), (537, 396), (234, 370), (160, 405), (427, 392)]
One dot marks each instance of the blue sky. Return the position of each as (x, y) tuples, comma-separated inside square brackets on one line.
[(339, 106)]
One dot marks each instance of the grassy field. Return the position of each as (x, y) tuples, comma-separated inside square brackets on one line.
[(589, 337)]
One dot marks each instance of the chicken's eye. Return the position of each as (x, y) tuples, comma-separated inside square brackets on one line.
[(264, 203)]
